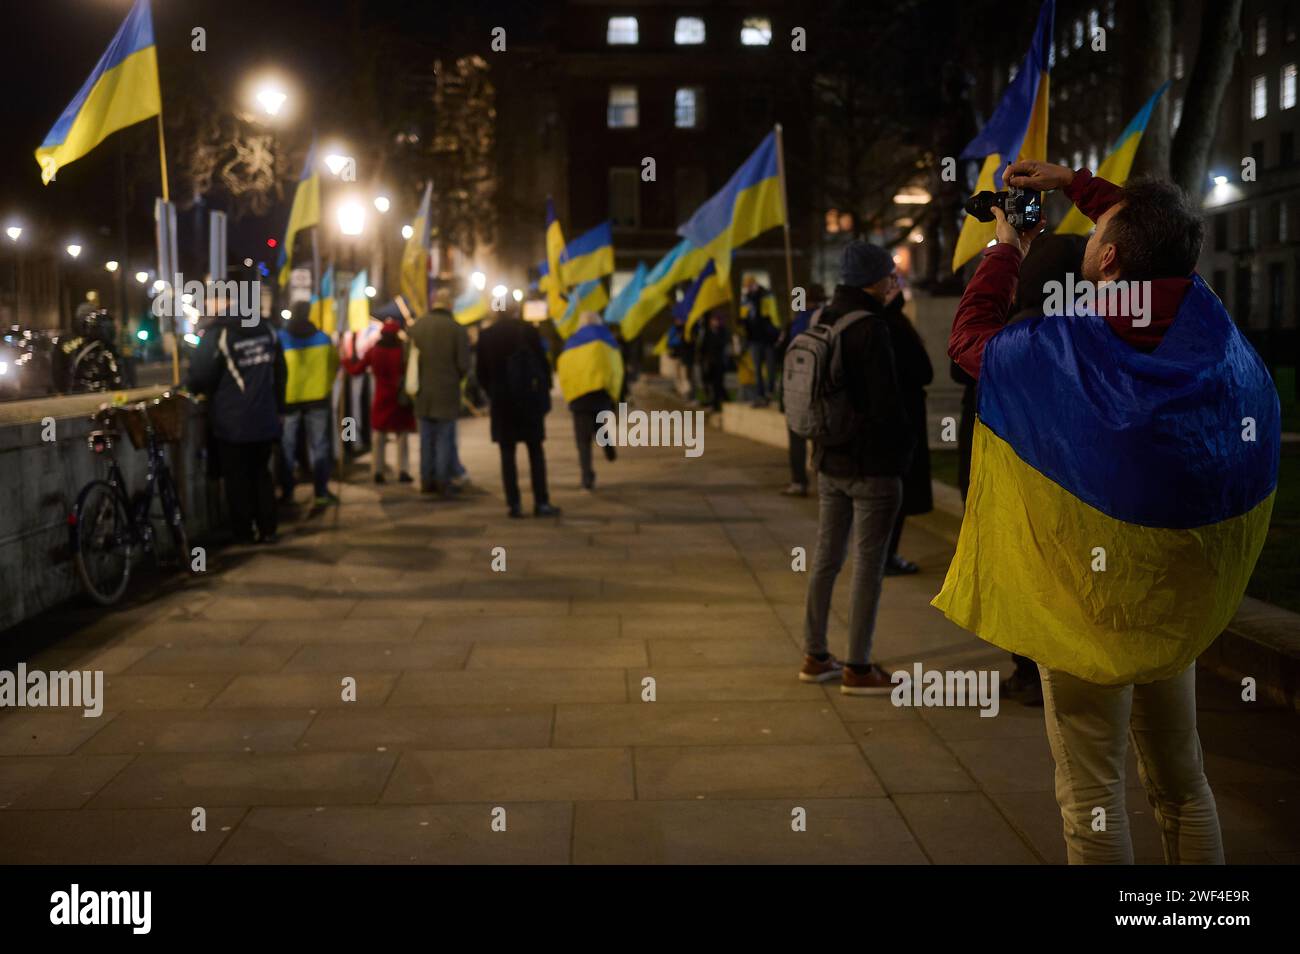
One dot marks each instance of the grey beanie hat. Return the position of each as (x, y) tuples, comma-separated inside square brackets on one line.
[(863, 264)]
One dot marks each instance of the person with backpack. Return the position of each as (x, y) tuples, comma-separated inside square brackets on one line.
[(312, 362), (440, 345), (841, 391), (242, 371), (513, 371), (388, 415), (796, 443)]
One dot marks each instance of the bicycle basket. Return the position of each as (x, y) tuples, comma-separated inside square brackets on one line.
[(131, 418), (167, 414)]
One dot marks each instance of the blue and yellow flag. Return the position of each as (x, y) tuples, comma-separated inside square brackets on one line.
[(324, 312), (627, 296), (414, 277), (1118, 500), (683, 261), (589, 296), (748, 205), (121, 90), (469, 307), (590, 361), (1016, 130), (708, 291), (303, 214), (555, 303), (358, 303), (1116, 166), (589, 256)]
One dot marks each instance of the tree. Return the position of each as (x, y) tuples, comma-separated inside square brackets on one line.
[(1220, 40)]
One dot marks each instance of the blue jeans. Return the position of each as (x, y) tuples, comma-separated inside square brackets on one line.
[(319, 446), (437, 451), (764, 356)]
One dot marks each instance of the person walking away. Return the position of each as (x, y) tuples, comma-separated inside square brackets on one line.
[(914, 375), (513, 370), (859, 480), (761, 322), (442, 348), (797, 445), (312, 362), (1110, 540), (388, 416), (590, 369), (242, 372), (713, 356)]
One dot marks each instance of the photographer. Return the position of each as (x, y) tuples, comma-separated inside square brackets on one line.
[(1117, 505)]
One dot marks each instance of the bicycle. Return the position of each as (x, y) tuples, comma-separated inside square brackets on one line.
[(107, 525)]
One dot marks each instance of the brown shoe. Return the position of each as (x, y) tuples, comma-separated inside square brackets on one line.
[(815, 670), (874, 682)]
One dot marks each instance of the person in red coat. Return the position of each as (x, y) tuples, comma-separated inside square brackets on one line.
[(387, 414)]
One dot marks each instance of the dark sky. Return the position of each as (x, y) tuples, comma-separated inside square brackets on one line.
[(55, 44)]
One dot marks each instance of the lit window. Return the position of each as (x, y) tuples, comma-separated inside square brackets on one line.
[(689, 108), (1281, 222), (689, 31), (622, 31), (1078, 34), (1261, 36), (622, 107), (756, 31), (1286, 98), (1094, 22), (1110, 14), (1259, 98)]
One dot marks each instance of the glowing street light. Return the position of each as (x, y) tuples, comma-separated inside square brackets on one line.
[(141, 277), (286, 314), (517, 294), (382, 204), (407, 231), (271, 98), (371, 291), (500, 291), (14, 231), (159, 285), (336, 162), (74, 250), (352, 217), (111, 266), (478, 280), (1220, 180)]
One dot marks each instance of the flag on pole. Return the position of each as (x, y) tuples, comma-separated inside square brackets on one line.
[(589, 296), (682, 262), (1016, 130), (1116, 166), (555, 303), (323, 311), (627, 296), (748, 205), (358, 303), (708, 291), (415, 258), (303, 214), (469, 307), (120, 91), (589, 256)]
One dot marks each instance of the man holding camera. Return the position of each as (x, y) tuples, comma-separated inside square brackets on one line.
[(1124, 474)]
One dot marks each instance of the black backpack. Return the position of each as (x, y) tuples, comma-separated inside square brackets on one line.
[(817, 405), (527, 381)]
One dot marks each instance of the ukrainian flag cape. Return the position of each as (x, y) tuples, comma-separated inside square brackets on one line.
[(1164, 465), (591, 361)]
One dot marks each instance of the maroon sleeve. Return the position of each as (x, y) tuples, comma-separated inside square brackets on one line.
[(984, 306), (1092, 195)]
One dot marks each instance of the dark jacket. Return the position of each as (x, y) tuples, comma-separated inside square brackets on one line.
[(510, 423), (444, 362), (914, 371), (242, 371), (883, 446)]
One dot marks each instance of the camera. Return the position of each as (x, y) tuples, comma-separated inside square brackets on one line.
[(1023, 207)]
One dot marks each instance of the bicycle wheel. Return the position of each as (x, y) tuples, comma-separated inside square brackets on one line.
[(102, 542), (173, 521)]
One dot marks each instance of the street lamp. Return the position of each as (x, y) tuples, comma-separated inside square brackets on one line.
[(517, 294), (352, 217), (141, 277), (13, 232), (382, 204), (111, 266), (159, 285), (271, 98), (478, 280), (371, 291), (336, 162), (286, 314), (499, 291), (74, 250), (407, 232)]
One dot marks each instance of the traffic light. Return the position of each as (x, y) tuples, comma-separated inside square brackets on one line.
[(271, 243)]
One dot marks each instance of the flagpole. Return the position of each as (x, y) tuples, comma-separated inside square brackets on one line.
[(162, 157), (785, 212)]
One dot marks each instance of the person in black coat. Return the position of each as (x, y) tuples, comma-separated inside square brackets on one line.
[(512, 369), (914, 372), (242, 371)]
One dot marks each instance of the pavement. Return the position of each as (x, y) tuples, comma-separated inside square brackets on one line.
[(501, 717)]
